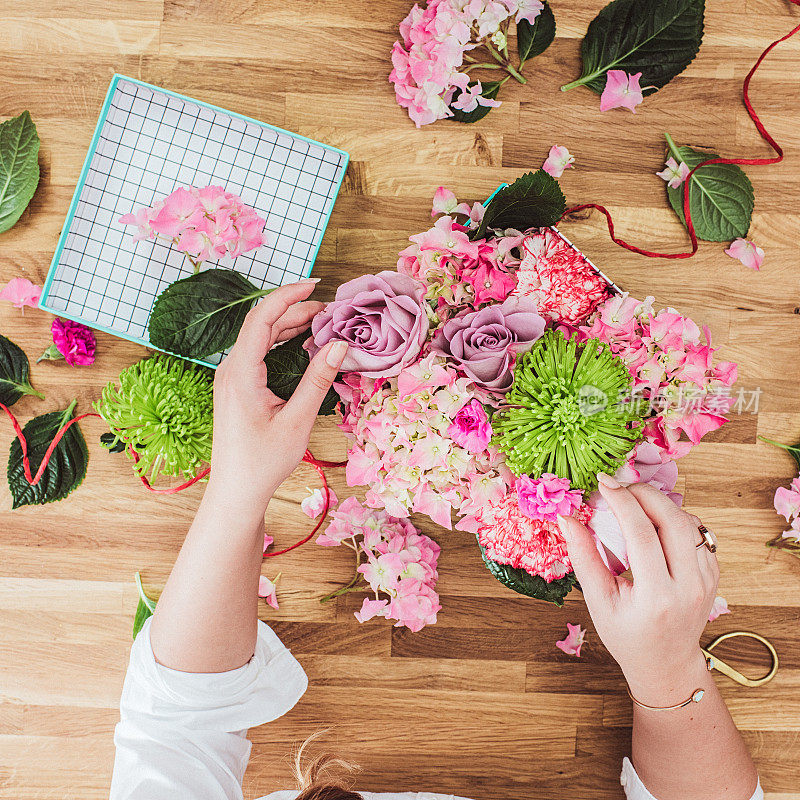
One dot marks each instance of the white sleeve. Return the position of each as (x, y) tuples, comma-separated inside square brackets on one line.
[(182, 735), (636, 790)]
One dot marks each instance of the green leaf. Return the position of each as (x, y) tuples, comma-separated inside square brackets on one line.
[(534, 200), (720, 196), (793, 450), (14, 373), (489, 89), (533, 40), (286, 364), (201, 315), (112, 443), (658, 38), (144, 610), (66, 468), (19, 167), (530, 585)]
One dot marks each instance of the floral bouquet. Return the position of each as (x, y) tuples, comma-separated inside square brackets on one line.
[(496, 372)]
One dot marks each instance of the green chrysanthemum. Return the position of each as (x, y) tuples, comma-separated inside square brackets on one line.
[(568, 414), (163, 409)]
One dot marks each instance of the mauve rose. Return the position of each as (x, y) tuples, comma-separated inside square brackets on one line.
[(381, 317), (482, 344)]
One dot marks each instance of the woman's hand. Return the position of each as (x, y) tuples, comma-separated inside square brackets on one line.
[(258, 438), (651, 626)]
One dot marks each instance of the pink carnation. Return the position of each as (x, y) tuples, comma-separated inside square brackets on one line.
[(536, 545), (74, 341), (471, 427), (547, 497), (565, 285)]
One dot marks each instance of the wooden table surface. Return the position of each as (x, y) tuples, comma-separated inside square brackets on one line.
[(482, 704)]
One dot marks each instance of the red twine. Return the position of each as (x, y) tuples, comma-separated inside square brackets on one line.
[(308, 458), (686, 184)]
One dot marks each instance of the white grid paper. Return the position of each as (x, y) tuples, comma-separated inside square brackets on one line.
[(150, 144)]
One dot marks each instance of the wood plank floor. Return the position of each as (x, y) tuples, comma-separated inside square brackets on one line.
[(482, 704)]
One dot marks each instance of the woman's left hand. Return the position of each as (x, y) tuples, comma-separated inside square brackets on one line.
[(258, 438)]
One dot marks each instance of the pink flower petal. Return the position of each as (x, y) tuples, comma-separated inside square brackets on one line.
[(557, 161), (268, 540), (719, 608), (621, 91), (21, 292), (573, 641), (370, 609), (748, 252), (267, 590), (313, 505)]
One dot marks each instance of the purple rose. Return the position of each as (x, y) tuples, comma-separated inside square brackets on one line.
[(381, 317), (482, 344)]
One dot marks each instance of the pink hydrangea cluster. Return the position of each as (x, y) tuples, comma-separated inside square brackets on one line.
[(399, 563), (672, 369), (457, 272), (203, 223), (436, 38), (565, 285), (547, 497), (787, 503), (403, 446), (509, 536)]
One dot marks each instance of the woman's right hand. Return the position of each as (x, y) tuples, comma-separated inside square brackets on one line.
[(651, 625)]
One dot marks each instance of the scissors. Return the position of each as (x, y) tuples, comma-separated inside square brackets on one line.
[(726, 669)]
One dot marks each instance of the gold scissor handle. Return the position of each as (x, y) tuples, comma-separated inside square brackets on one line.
[(729, 671)]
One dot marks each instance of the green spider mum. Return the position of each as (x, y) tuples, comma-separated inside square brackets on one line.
[(565, 414), (163, 409)]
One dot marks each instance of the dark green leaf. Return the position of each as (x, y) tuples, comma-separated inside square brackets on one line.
[(112, 443), (201, 315), (658, 38), (286, 364), (793, 450), (720, 197), (144, 610), (533, 40), (66, 468), (534, 200), (489, 89), (19, 167), (531, 585), (14, 373)]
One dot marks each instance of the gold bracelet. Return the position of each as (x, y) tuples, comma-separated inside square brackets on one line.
[(696, 697)]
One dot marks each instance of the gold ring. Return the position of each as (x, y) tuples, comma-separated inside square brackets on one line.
[(708, 539)]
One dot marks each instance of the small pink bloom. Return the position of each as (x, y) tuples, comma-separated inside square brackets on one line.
[(471, 428), (547, 497), (313, 505), (181, 210), (572, 643), (370, 609), (674, 174), (21, 292), (787, 502), (267, 590), (268, 540), (471, 97), (557, 161), (74, 341), (622, 91), (445, 202), (719, 608), (749, 253)]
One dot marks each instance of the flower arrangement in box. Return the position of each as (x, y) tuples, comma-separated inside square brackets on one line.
[(496, 372)]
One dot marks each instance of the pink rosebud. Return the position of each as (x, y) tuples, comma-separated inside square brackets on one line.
[(573, 641), (21, 292), (471, 428), (74, 341)]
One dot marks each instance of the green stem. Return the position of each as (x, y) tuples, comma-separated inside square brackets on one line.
[(350, 587), (673, 148), (504, 63), (788, 447), (580, 82), (482, 66)]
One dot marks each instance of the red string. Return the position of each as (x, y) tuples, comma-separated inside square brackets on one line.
[(686, 184), (318, 465)]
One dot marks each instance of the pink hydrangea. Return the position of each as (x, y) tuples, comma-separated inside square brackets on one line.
[(572, 643), (21, 292), (683, 391), (75, 342), (566, 286), (547, 497), (787, 504), (203, 223), (396, 560), (509, 536), (402, 447)]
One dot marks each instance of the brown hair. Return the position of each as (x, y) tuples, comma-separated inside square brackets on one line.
[(325, 777)]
